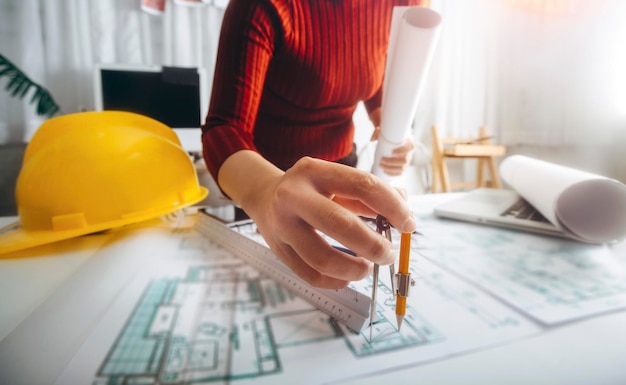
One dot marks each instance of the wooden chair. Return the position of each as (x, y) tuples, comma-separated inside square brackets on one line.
[(480, 148)]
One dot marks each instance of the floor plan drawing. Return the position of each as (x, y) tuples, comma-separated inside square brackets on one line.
[(199, 329), (199, 315), (550, 279)]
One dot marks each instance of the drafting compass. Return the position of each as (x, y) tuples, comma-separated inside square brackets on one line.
[(383, 227)]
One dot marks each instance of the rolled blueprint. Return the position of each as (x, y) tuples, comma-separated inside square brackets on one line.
[(412, 39), (590, 207)]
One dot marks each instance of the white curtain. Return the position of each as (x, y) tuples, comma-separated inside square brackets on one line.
[(456, 99), (537, 72), (560, 72), (58, 42)]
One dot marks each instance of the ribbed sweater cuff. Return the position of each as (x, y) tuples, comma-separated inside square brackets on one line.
[(218, 143)]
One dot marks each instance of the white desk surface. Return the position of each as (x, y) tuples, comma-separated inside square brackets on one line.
[(591, 351), (27, 279)]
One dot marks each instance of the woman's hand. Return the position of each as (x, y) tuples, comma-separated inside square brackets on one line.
[(313, 195), (400, 158)]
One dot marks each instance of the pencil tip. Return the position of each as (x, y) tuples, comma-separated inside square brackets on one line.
[(399, 319)]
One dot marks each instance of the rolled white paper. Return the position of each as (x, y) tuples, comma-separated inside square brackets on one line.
[(590, 207), (412, 39)]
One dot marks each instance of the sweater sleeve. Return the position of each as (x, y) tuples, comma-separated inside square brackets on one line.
[(246, 46)]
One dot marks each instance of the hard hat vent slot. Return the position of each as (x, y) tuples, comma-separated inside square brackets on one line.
[(69, 222)]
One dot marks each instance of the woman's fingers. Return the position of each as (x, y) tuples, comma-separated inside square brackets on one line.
[(307, 198), (317, 253), (349, 230), (335, 180), (395, 164), (303, 270)]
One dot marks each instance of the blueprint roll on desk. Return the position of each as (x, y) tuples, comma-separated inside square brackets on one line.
[(44, 289)]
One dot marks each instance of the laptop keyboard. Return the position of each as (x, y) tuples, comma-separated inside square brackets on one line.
[(524, 210)]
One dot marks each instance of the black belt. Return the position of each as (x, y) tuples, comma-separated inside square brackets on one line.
[(351, 159)]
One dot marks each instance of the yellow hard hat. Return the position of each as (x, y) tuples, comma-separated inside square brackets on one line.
[(93, 171)]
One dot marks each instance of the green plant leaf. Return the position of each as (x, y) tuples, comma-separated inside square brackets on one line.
[(19, 84)]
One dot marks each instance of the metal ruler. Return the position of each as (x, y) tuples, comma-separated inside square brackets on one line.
[(347, 305)]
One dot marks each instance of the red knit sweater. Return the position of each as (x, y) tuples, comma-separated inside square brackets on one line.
[(289, 74)]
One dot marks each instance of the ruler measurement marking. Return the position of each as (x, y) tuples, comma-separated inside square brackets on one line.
[(346, 305)]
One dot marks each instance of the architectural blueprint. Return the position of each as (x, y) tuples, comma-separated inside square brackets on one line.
[(551, 279), (196, 314)]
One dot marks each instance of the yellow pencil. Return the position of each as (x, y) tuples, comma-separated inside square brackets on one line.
[(403, 277)]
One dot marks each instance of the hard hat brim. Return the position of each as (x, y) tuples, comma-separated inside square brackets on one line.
[(14, 238)]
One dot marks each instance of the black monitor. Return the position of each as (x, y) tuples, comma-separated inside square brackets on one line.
[(176, 96)]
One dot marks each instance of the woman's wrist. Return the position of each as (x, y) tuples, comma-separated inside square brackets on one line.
[(246, 177)]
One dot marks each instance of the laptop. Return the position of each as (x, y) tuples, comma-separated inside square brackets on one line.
[(496, 207)]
